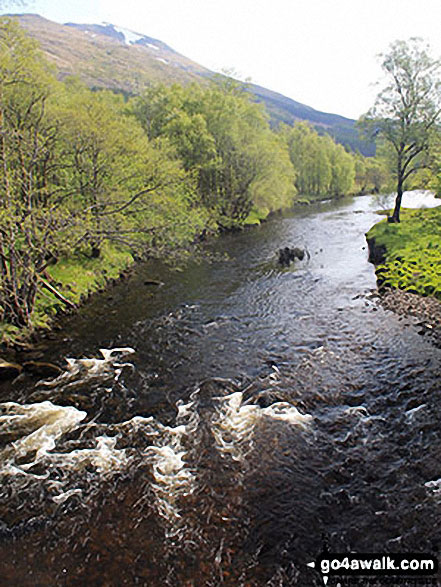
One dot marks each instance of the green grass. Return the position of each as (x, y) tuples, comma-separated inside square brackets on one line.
[(75, 278), (413, 258), (78, 277)]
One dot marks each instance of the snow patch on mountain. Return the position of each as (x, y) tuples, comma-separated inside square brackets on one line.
[(130, 37)]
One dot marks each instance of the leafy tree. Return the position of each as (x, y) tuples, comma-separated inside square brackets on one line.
[(125, 184), (342, 168), (323, 168), (32, 222), (406, 110), (371, 174), (377, 174), (225, 141), (75, 171)]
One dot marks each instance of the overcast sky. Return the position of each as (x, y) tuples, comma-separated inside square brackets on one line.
[(322, 53)]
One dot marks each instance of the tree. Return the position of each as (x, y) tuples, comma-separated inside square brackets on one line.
[(32, 223), (342, 168), (76, 170), (225, 141), (129, 190), (322, 167), (406, 110)]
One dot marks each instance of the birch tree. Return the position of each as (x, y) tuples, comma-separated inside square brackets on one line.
[(406, 110)]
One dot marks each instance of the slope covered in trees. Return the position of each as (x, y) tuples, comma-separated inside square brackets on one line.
[(106, 56), (88, 175)]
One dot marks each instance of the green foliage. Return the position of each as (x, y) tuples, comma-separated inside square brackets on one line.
[(323, 168), (256, 216), (91, 179), (77, 172), (404, 118), (125, 184), (78, 276), (31, 220), (413, 252), (371, 175), (225, 141)]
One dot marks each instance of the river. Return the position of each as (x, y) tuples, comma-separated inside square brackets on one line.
[(240, 419)]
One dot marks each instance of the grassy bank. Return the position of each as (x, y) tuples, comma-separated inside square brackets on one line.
[(412, 252), (75, 279)]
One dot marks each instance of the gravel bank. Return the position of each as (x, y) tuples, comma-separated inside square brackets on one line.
[(424, 311)]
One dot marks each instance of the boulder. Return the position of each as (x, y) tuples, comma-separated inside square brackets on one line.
[(289, 254)]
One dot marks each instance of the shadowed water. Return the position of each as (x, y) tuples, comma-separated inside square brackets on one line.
[(238, 420)]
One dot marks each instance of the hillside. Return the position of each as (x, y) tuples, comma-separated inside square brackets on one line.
[(283, 109), (109, 56)]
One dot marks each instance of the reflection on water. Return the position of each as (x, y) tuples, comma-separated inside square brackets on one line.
[(239, 418)]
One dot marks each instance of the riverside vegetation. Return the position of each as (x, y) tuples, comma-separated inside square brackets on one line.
[(411, 252), (92, 180), (405, 123)]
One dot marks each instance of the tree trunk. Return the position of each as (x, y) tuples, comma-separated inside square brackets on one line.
[(396, 215), (15, 310)]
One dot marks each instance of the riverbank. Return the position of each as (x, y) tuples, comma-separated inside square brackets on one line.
[(71, 281), (425, 312), (407, 257), (68, 284)]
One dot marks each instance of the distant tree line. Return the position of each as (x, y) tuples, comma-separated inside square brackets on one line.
[(80, 169)]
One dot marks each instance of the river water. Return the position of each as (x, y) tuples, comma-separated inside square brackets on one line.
[(239, 419)]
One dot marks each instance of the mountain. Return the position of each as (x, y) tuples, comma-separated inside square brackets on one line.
[(283, 109), (105, 55)]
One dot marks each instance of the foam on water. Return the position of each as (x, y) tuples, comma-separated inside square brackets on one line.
[(435, 486), (105, 457), (165, 451), (34, 436), (235, 423), (173, 478), (65, 495), (34, 430), (87, 368), (32, 433), (286, 412)]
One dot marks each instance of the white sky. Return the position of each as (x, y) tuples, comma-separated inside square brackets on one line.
[(322, 53)]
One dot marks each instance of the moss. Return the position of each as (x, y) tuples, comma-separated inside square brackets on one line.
[(413, 252)]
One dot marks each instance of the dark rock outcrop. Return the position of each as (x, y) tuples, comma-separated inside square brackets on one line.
[(377, 253)]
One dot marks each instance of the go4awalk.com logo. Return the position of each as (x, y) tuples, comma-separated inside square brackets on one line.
[(375, 565)]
